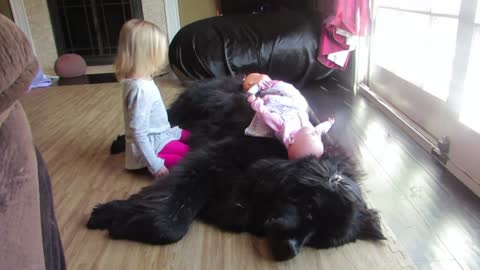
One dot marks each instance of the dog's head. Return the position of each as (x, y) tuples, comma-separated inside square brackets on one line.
[(312, 202)]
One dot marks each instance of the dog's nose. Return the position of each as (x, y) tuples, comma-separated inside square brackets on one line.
[(285, 249)]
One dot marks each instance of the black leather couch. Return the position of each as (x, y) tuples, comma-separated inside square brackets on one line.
[(281, 42)]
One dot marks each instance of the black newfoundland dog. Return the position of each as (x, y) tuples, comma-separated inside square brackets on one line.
[(244, 184)]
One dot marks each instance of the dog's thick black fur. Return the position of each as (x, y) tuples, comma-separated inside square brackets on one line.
[(244, 184)]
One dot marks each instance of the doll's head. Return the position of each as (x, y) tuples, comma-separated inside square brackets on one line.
[(307, 141), (252, 79)]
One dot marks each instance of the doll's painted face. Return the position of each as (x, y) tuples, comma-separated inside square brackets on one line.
[(254, 78), (307, 141)]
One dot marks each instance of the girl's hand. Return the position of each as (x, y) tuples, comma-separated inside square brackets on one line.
[(161, 173)]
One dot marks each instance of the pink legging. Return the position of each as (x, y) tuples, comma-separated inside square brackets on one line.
[(175, 150)]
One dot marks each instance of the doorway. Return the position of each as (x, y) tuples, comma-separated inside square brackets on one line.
[(91, 28), (5, 9), (194, 10)]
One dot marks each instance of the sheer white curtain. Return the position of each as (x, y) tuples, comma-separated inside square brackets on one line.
[(415, 40), (470, 105), (425, 63), (420, 41)]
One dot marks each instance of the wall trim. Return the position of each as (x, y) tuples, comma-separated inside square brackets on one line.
[(172, 17), (20, 18)]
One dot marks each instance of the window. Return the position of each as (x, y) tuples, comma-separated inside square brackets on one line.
[(425, 63), (470, 108), (412, 37)]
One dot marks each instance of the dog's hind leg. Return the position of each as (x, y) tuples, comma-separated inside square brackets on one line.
[(158, 214), (103, 215), (138, 221), (151, 228)]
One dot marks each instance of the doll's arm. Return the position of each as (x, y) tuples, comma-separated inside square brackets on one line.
[(253, 90), (324, 127), (273, 120), (261, 85), (257, 104)]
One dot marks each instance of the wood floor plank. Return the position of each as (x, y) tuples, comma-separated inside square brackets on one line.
[(399, 212), (446, 215), (444, 179), (440, 265)]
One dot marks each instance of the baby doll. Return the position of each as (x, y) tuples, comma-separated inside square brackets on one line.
[(282, 111)]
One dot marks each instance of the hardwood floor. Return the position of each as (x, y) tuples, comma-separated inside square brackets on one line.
[(432, 214), (428, 213)]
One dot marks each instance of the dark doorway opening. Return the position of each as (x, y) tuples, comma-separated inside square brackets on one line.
[(90, 28), (5, 9)]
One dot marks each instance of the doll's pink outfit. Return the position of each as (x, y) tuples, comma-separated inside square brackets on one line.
[(281, 111)]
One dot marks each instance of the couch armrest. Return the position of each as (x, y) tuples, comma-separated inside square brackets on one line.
[(20, 221)]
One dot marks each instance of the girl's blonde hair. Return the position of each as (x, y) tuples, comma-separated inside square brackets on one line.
[(142, 50)]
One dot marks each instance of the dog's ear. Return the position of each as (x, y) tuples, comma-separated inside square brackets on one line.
[(370, 228)]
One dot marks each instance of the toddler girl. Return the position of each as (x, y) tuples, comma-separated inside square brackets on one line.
[(150, 141)]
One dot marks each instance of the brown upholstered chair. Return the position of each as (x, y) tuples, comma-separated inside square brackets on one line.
[(29, 237)]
